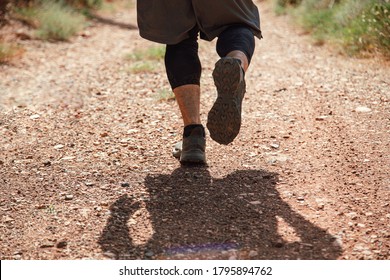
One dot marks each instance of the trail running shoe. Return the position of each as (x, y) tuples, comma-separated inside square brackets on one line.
[(192, 149), (224, 118)]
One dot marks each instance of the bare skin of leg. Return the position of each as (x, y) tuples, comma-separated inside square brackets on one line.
[(188, 96)]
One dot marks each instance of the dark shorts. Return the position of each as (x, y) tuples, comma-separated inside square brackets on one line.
[(169, 21)]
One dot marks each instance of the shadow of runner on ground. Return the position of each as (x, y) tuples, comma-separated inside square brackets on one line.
[(195, 216)]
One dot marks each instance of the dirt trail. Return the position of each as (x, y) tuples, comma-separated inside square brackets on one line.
[(86, 169)]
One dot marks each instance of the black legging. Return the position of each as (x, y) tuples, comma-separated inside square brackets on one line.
[(182, 61)]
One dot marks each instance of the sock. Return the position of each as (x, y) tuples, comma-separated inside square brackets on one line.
[(189, 128)]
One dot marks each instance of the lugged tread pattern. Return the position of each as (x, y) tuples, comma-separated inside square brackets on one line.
[(224, 118)]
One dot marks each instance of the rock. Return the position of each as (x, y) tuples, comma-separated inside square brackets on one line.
[(59, 147), (68, 158), (68, 197), (89, 184), (8, 219), (338, 242), (47, 244), (253, 254), (109, 254), (125, 185), (275, 146), (257, 202), (149, 254), (47, 163), (62, 244), (321, 118), (362, 109), (34, 117)]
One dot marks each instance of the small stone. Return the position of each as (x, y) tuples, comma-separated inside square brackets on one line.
[(253, 254), (125, 185), (321, 118), (62, 244), (109, 254), (47, 244), (275, 146), (300, 198), (278, 244), (47, 163), (362, 109), (352, 215), (149, 254), (338, 242), (320, 206), (104, 134), (8, 219), (89, 184), (68, 158), (68, 197), (257, 202), (59, 147), (34, 117)]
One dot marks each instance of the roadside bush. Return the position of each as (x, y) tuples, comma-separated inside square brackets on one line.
[(360, 26), (52, 19), (58, 22)]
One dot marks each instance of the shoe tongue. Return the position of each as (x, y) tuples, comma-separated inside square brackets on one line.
[(194, 129)]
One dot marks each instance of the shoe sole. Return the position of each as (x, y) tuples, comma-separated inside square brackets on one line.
[(224, 118)]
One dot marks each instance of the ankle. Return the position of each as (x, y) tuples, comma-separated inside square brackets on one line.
[(188, 129)]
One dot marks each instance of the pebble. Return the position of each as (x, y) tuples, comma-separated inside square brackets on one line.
[(62, 244), (253, 254), (68, 197), (59, 147), (275, 146), (362, 109), (257, 202), (8, 219), (47, 244), (321, 118), (125, 185), (149, 254), (109, 254), (34, 117)]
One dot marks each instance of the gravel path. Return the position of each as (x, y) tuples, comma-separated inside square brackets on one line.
[(86, 169)]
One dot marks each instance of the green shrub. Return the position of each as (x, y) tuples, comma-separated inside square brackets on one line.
[(58, 22), (360, 26), (52, 19)]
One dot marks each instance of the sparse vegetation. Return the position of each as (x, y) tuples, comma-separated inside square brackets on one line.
[(359, 26), (165, 95), (146, 60), (8, 51), (53, 20), (151, 53), (141, 67)]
